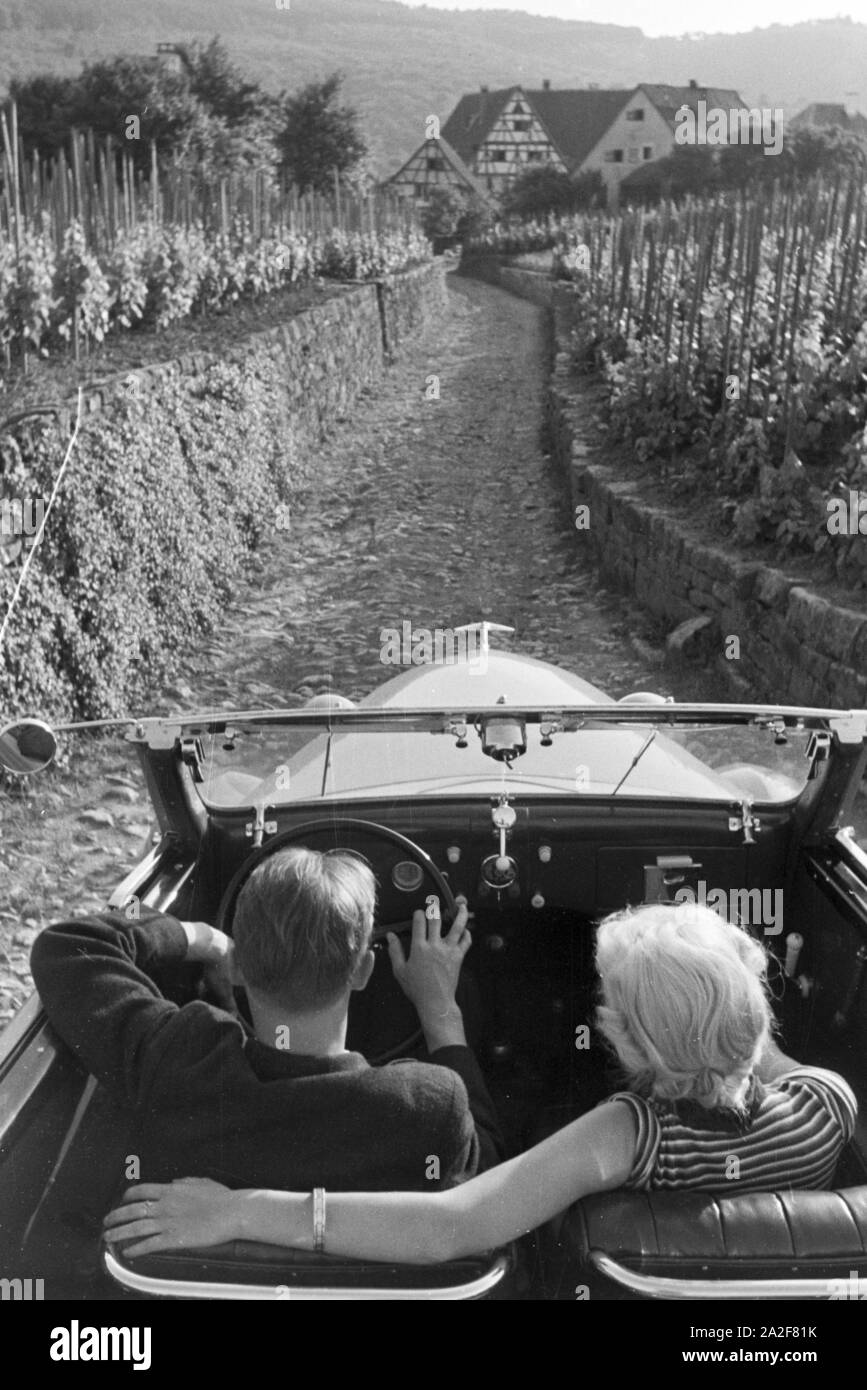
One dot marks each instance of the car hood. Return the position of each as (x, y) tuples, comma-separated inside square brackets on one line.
[(422, 764)]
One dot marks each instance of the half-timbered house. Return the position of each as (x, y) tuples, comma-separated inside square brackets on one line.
[(435, 165), (494, 136), (500, 134)]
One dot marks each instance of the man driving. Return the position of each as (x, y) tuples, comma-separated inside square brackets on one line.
[(282, 1103)]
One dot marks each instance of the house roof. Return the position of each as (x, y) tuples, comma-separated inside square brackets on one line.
[(829, 113), (460, 167), (472, 118), (669, 100), (573, 120), (577, 120), (442, 147)]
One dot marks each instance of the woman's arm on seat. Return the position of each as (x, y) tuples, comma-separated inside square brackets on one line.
[(593, 1154)]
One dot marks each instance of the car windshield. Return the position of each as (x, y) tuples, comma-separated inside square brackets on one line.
[(281, 763)]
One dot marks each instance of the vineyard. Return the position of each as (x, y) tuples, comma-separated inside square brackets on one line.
[(90, 247), (731, 335)]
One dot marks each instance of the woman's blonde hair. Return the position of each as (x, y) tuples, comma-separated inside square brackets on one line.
[(684, 1001)]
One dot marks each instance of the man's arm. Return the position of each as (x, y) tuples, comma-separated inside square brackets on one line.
[(429, 978), (490, 1147), (93, 976)]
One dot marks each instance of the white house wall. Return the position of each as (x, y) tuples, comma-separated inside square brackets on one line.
[(633, 138)]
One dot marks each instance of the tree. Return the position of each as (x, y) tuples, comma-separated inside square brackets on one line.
[(108, 93), (590, 190), (452, 215), (318, 136), (548, 189), (206, 116), (688, 169), (220, 86), (742, 165), (822, 149), (440, 217), (45, 103), (242, 121)]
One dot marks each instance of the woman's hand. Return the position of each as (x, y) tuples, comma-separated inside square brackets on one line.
[(186, 1214)]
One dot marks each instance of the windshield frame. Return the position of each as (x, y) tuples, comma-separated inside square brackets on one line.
[(181, 735), (160, 732)]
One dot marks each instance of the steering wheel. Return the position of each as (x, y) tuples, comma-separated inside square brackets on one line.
[(333, 825)]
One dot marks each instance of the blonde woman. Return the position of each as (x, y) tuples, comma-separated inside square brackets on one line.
[(685, 1008)]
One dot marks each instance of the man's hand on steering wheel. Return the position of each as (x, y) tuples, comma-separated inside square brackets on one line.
[(429, 976)]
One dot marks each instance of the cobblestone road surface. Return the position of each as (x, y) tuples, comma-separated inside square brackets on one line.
[(437, 512)]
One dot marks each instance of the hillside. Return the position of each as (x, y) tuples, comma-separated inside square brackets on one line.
[(403, 64)]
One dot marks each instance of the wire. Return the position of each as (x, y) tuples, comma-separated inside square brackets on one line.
[(40, 533)]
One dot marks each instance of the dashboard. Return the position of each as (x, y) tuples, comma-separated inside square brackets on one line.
[(587, 859)]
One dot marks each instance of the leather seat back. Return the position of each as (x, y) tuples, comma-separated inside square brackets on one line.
[(705, 1235)]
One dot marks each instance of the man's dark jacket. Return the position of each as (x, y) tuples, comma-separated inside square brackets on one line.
[(209, 1100)]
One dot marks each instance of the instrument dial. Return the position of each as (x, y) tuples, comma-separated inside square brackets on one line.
[(407, 876)]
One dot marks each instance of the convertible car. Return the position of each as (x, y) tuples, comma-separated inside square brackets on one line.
[(548, 804)]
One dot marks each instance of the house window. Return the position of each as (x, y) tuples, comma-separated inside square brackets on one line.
[(632, 154), (614, 156), (419, 190), (434, 162), (521, 125), (636, 115), (648, 152)]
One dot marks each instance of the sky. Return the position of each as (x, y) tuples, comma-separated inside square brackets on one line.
[(672, 16)]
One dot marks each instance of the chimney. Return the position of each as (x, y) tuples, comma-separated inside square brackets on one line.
[(692, 82), (484, 88), (850, 104), (546, 84)]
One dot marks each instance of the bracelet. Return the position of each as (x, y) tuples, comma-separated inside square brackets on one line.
[(319, 1220)]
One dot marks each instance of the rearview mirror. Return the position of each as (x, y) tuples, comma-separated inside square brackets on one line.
[(27, 746)]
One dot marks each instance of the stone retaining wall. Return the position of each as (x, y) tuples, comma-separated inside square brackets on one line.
[(332, 351), (408, 301), (210, 447), (793, 645), (534, 285)]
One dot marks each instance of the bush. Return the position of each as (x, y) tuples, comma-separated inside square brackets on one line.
[(160, 273), (151, 530), (551, 190), (82, 290), (733, 353)]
